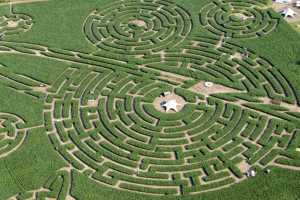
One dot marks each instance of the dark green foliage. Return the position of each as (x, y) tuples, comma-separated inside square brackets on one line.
[(95, 100)]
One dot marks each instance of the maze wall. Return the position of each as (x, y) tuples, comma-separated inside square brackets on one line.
[(15, 24), (56, 187), (223, 61), (12, 133), (120, 139), (100, 116), (238, 18), (138, 26)]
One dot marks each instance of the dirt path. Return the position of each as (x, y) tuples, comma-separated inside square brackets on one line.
[(285, 166), (244, 166), (290, 107), (237, 55), (214, 89), (139, 23), (12, 24), (220, 43)]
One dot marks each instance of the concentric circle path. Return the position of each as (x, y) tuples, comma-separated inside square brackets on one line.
[(106, 126), (138, 26), (12, 133), (238, 19)]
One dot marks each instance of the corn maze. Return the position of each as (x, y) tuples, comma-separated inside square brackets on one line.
[(138, 26), (56, 187), (15, 23), (12, 133), (238, 19), (100, 117), (124, 142)]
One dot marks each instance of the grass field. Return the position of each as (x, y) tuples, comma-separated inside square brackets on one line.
[(83, 86)]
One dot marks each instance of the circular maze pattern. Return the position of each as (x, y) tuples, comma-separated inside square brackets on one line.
[(15, 23), (105, 125), (238, 19), (138, 26), (102, 121), (11, 133)]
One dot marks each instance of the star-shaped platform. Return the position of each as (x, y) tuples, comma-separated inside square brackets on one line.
[(170, 105)]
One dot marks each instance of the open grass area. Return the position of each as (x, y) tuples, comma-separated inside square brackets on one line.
[(148, 99)]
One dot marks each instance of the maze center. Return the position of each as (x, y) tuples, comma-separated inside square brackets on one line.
[(125, 140), (138, 23), (177, 100)]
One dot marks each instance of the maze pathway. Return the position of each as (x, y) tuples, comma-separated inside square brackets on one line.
[(222, 61), (100, 114), (104, 124), (138, 26), (15, 24), (12, 133), (56, 187), (238, 19), (121, 140)]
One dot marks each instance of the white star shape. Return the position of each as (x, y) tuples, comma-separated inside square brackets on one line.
[(170, 105)]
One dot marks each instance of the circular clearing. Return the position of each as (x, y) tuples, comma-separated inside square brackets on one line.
[(159, 101), (138, 23), (12, 24), (241, 16)]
